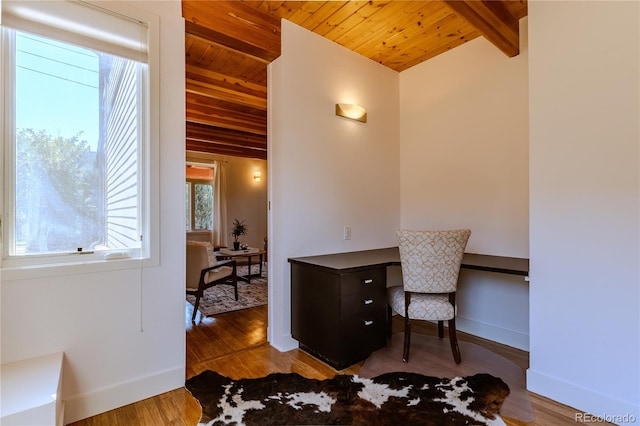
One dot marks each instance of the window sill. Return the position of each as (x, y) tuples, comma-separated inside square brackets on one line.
[(13, 273)]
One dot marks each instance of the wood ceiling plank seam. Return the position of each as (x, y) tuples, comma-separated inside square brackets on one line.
[(213, 55), (442, 31), (212, 120), (373, 25), (197, 103), (225, 94), (220, 93), (437, 49), (198, 145), (392, 50), (240, 143), (228, 150), (306, 10), (231, 142), (321, 15), (221, 150), (410, 16), (355, 20), (256, 4), (217, 106), (248, 113), (209, 74), (195, 50), (214, 76), (239, 67), (270, 6), (240, 21), (340, 15), (214, 38), (199, 131), (195, 99), (259, 76)]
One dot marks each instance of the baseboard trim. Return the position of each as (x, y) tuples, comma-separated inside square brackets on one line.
[(92, 403), (585, 401), (490, 332), (283, 343)]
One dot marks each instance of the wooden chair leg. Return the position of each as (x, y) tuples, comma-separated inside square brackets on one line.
[(407, 327), (441, 329), (195, 308), (455, 349), (407, 339), (389, 318)]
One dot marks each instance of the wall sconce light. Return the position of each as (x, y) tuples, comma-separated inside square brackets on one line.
[(354, 112), (257, 176)]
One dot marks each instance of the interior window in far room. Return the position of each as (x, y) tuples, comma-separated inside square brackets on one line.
[(199, 198)]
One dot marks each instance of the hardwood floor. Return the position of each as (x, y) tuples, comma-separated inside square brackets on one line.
[(235, 344)]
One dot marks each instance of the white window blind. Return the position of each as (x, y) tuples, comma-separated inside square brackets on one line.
[(81, 23)]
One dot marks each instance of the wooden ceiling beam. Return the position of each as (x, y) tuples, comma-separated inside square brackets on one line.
[(223, 41), (246, 29), (493, 20), (225, 88), (215, 115), (222, 149), (204, 133)]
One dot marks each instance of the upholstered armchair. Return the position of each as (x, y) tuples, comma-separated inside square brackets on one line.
[(430, 263), (205, 271)]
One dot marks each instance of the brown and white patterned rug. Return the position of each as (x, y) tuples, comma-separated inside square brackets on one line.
[(220, 299), (390, 399), (431, 356)]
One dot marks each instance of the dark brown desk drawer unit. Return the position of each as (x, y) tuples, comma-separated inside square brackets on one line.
[(338, 316)]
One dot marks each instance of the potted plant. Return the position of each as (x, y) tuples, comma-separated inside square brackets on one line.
[(239, 229)]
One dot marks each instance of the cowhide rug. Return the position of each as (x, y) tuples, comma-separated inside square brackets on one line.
[(389, 399)]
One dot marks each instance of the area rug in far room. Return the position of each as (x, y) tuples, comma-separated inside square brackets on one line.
[(392, 399), (220, 299)]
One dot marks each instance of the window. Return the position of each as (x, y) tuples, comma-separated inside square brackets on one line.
[(199, 198), (76, 141)]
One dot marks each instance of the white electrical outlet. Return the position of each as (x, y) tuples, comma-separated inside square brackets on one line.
[(347, 232)]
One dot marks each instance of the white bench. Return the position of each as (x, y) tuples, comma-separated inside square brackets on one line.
[(30, 390)]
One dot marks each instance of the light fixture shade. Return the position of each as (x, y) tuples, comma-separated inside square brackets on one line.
[(354, 112), (257, 176)]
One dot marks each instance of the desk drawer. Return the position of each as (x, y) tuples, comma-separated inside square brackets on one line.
[(361, 281), (363, 305), (361, 336)]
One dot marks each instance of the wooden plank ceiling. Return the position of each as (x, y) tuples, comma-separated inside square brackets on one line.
[(230, 43)]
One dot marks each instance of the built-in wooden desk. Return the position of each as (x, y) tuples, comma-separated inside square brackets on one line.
[(338, 301)]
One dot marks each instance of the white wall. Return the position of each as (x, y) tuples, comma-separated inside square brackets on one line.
[(464, 164), (122, 331), (247, 198), (325, 171), (584, 196)]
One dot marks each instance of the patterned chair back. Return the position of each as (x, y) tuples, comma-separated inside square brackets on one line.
[(430, 260)]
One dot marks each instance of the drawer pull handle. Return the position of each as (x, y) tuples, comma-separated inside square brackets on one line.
[(368, 322), (368, 281), (367, 301)]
